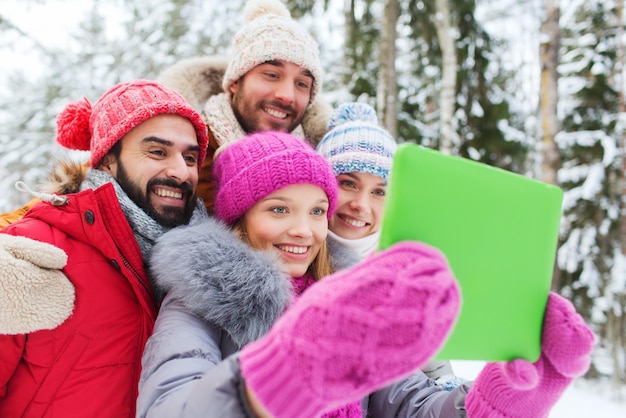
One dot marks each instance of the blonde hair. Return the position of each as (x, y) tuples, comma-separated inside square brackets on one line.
[(321, 265)]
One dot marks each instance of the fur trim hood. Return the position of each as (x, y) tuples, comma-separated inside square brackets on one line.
[(224, 281), (66, 176), (199, 78)]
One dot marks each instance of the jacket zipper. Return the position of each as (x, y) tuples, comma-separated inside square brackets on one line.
[(136, 275)]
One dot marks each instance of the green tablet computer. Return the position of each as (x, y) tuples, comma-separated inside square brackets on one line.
[(499, 232)]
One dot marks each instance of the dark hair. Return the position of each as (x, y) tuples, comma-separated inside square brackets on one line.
[(116, 150)]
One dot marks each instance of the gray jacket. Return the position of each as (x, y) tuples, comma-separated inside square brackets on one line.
[(221, 295)]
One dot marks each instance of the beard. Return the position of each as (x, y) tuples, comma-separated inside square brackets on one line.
[(248, 111), (167, 216)]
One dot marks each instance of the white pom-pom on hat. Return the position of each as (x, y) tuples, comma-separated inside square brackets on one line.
[(351, 112), (257, 8)]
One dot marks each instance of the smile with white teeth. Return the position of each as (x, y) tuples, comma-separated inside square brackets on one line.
[(276, 113), (168, 193), (293, 249), (354, 222)]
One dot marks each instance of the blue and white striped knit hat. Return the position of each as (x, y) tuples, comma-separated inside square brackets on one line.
[(355, 142)]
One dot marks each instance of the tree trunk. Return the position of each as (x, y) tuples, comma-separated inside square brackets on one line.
[(548, 99), (349, 45), (448, 86), (387, 88), (619, 333), (548, 95), (622, 108)]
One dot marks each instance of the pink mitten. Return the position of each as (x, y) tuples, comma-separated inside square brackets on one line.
[(520, 389), (354, 332)]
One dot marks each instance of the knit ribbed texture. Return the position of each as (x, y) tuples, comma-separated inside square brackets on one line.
[(83, 127), (249, 169), (354, 332), (270, 34), (356, 143), (353, 409), (520, 389)]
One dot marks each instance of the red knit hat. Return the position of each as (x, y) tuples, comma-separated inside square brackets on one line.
[(263, 162), (97, 129)]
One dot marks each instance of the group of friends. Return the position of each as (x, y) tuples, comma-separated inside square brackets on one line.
[(217, 257)]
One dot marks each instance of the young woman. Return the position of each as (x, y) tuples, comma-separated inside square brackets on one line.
[(257, 321), (361, 152)]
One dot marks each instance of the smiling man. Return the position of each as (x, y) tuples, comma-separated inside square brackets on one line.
[(77, 304), (270, 82), (157, 173)]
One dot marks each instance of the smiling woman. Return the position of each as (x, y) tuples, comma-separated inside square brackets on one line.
[(225, 290), (361, 152), (265, 321), (279, 194), (291, 222)]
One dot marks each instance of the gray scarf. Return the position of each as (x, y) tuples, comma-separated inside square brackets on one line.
[(145, 229)]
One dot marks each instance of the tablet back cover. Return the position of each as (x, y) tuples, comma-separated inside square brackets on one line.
[(499, 232)]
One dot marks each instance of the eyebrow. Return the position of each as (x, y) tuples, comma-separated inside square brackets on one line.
[(281, 64), (167, 143), (354, 176), (288, 200)]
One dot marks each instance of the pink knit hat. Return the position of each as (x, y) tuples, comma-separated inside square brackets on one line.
[(263, 162), (83, 127)]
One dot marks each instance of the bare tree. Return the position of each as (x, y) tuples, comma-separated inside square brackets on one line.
[(387, 88), (446, 38), (548, 100), (350, 30), (548, 94)]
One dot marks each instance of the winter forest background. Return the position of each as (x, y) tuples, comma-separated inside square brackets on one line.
[(531, 86)]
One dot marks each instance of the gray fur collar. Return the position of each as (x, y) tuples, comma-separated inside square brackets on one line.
[(199, 78), (224, 281)]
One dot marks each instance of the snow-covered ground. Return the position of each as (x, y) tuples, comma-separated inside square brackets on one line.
[(583, 399)]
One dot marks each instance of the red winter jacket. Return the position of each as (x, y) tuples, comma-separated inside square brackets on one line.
[(89, 365)]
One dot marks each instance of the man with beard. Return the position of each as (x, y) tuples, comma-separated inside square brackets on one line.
[(270, 83), (76, 302)]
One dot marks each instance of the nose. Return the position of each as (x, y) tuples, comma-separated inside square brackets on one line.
[(360, 202), (301, 228), (178, 168), (285, 91)]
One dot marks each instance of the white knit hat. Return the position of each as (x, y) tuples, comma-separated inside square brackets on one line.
[(271, 34)]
